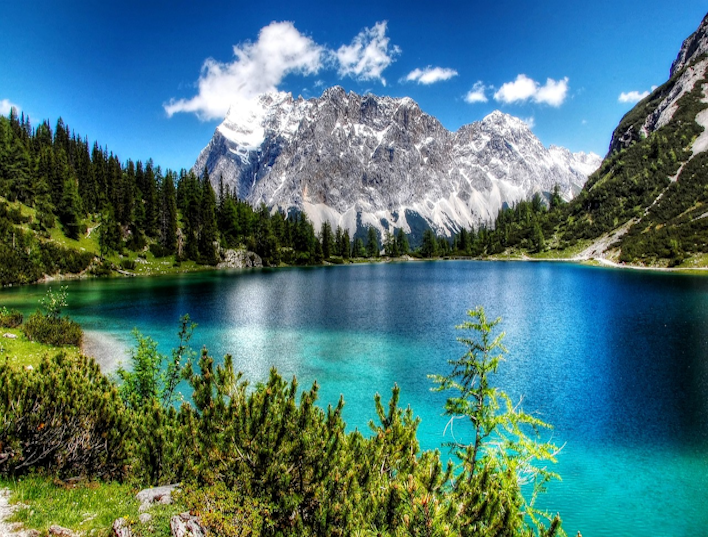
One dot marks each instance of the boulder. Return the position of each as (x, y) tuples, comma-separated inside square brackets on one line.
[(186, 525), (58, 531), (154, 495), (121, 528), (240, 259)]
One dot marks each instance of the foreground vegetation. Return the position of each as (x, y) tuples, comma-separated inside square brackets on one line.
[(265, 459)]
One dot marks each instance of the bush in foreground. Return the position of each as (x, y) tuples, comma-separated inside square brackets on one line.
[(268, 461), (55, 331), (10, 318), (65, 418)]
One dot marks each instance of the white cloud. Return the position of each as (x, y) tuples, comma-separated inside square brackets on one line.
[(632, 96), (368, 55), (530, 122), (553, 93), (6, 106), (524, 89), (430, 75), (476, 94), (257, 68)]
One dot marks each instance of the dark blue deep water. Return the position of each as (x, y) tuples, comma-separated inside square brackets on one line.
[(616, 360)]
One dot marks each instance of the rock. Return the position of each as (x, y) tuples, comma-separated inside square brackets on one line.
[(59, 531), (186, 525), (161, 495), (145, 518), (240, 259), (10, 336), (121, 528)]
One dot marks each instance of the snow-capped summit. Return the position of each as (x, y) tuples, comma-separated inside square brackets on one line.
[(362, 160)]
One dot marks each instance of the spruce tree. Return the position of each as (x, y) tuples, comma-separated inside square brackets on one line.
[(208, 233), (372, 242)]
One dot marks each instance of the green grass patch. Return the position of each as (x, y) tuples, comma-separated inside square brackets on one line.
[(85, 507), (21, 352), (84, 244)]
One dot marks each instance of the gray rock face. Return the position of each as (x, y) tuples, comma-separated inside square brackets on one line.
[(359, 161), (695, 45), (689, 68)]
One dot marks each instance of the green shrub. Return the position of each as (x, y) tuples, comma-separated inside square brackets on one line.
[(56, 331), (127, 264), (64, 418), (10, 318)]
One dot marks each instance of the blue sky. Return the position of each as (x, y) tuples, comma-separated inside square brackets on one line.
[(153, 79)]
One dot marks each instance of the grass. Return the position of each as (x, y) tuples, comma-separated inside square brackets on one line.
[(83, 507), (21, 352), (86, 507)]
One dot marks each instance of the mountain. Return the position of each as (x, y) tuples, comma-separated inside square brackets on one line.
[(360, 161), (648, 201)]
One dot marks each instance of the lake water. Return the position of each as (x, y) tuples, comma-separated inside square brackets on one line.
[(616, 360)]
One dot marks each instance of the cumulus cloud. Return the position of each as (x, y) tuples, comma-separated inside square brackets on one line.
[(369, 53), (6, 106), (524, 89), (477, 93), (530, 122), (257, 68), (632, 96), (430, 75)]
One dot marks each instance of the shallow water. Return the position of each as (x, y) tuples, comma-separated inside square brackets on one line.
[(616, 360)]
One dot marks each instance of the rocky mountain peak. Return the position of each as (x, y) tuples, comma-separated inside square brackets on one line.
[(693, 47), (364, 160)]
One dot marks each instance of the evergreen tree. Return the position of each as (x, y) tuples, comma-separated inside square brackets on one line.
[(358, 249), (208, 233), (402, 242), (345, 245), (70, 210), (168, 215), (372, 242), (109, 234), (326, 240), (429, 247), (390, 245)]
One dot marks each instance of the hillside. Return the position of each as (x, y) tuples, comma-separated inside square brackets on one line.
[(650, 191), (647, 203)]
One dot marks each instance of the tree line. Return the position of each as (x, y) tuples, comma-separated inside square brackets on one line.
[(80, 188)]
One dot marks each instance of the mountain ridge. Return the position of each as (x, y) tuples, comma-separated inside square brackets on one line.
[(362, 160)]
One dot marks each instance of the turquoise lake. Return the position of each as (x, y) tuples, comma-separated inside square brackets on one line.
[(616, 360)]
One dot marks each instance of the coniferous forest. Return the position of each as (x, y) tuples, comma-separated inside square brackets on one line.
[(70, 190)]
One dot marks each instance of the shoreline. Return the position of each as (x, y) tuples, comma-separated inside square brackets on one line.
[(108, 351), (580, 260)]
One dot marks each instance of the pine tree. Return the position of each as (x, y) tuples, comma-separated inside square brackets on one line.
[(402, 242), (168, 215), (326, 240), (208, 234), (430, 244), (372, 242), (70, 210)]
